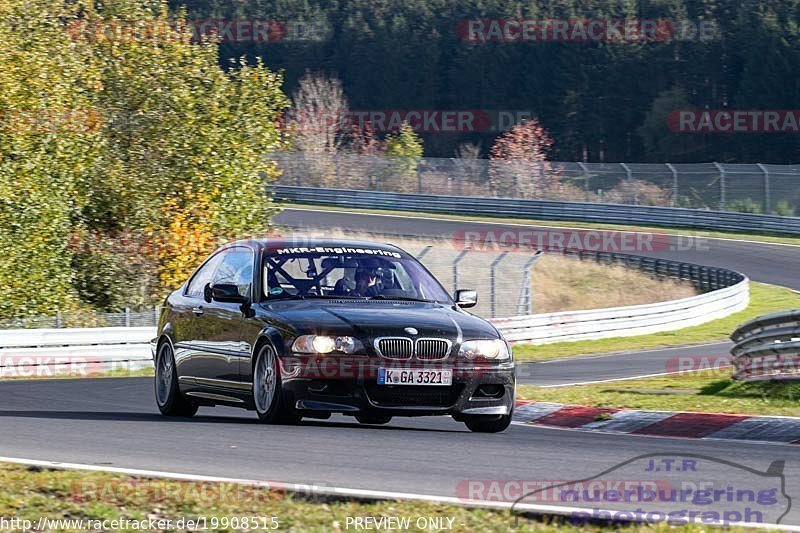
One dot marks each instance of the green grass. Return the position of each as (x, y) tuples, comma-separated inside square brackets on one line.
[(763, 237), (32, 492), (763, 299), (710, 391)]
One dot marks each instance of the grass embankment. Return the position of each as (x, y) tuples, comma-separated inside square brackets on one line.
[(564, 284), (763, 299), (711, 391), (32, 492)]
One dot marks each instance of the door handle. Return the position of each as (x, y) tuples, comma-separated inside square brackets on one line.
[(198, 310)]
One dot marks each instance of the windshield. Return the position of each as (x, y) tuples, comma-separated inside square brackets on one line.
[(333, 272)]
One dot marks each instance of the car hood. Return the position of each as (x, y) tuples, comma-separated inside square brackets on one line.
[(377, 318)]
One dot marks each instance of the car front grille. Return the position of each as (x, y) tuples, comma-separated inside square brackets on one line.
[(432, 349), (426, 349), (395, 347), (413, 396)]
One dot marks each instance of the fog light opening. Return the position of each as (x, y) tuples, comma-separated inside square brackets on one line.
[(489, 391)]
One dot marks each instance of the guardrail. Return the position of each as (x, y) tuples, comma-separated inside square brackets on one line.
[(59, 347), (748, 188), (626, 321), (75, 351), (541, 209), (768, 348), (50, 337)]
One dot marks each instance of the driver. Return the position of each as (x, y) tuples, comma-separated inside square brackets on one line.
[(366, 282)]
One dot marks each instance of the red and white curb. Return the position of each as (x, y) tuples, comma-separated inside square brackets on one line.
[(772, 429)]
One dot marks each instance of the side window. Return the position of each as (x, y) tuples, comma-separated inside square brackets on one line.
[(203, 276), (236, 268)]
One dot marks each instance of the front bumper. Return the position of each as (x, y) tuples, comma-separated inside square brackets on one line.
[(320, 385)]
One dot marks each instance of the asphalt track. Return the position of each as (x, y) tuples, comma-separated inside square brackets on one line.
[(628, 365), (114, 422), (769, 263)]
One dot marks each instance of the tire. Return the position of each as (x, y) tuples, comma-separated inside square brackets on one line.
[(268, 395), (169, 399), (374, 419), (487, 423)]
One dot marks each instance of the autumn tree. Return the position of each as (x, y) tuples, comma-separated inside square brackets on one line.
[(518, 160), (111, 135), (318, 115)]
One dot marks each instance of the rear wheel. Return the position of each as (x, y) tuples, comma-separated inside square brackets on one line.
[(487, 423), (268, 392), (374, 419), (168, 396)]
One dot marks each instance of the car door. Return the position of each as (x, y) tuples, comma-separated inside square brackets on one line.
[(187, 318), (219, 329)]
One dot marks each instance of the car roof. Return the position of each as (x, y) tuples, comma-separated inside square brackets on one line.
[(300, 241)]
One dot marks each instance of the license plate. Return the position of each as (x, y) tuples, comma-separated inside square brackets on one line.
[(414, 376)]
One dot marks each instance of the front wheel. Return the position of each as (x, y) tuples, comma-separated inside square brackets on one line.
[(487, 423), (267, 390), (168, 396)]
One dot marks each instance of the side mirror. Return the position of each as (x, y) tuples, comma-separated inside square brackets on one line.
[(466, 298), (227, 292)]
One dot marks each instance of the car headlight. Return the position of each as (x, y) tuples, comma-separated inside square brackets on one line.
[(326, 344), (495, 349)]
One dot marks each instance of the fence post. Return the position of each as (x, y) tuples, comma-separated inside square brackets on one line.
[(424, 252), (155, 315), (526, 306), (492, 281), (127, 317), (585, 180), (456, 261), (629, 178), (767, 191), (541, 179), (58, 318), (419, 177), (674, 171), (722, 186)]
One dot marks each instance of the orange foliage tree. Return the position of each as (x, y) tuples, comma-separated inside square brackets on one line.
[(518, 160)]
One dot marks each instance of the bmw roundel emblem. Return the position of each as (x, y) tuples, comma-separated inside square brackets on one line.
[(411, 331)]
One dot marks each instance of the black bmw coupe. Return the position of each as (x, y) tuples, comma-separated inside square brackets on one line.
[(294, 329)]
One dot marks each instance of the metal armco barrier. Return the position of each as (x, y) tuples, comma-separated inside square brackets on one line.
[(744, 188), (768, 348), (625, 321), (541, 209), (79, 351), (55, 337), (19, 347)]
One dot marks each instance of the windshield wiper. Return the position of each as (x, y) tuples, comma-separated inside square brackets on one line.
[(323, 297), (401, 298)]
